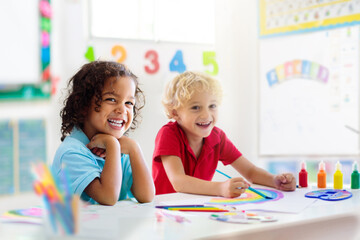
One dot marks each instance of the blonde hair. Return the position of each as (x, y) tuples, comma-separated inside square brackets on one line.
[(181, 89)]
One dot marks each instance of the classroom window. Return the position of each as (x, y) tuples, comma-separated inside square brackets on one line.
[(189, 21)]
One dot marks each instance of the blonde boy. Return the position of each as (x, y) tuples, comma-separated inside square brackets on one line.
[(188, 149)]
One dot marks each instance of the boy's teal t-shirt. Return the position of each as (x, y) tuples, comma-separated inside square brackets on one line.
[(83, 166)]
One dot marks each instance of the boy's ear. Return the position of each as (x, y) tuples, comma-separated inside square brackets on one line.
[(175, 115)]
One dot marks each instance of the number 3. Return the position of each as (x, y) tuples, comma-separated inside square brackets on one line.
[(153, 56)]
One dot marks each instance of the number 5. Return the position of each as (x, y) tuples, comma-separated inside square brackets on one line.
[(209, 58)]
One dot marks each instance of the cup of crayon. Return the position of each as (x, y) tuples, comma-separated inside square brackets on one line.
[(61, 206), (60, 216)]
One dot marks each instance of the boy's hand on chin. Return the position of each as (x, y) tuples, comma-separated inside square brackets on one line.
[(100, 152), (127, 144), (98, 143)]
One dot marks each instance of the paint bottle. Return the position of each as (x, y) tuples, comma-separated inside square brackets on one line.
[(321, 176), (303, 175), (355, 177), (338, 176)]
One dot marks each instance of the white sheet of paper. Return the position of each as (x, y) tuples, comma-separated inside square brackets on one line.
[(292, 202)]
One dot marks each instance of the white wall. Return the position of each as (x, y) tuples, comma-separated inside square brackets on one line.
[(236, 47), (236, 50)]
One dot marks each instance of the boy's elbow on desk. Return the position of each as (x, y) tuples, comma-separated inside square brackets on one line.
[(145, 193), (146, 197), (182, 186), (103, 197), (178, 187), (109, 198), (179, 184), (108, 201)]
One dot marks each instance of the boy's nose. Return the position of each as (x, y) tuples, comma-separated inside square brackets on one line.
[(205, 114), (120, 108)]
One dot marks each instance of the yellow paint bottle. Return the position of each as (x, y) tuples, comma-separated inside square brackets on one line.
[(338, 176)]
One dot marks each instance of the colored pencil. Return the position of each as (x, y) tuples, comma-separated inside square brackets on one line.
[(178, 206), (197, 210), (193, 208), (250, 188)]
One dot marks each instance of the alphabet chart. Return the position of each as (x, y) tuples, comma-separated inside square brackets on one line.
[(286, 16)]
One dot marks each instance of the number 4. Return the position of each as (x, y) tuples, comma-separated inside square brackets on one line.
[(177, 63)]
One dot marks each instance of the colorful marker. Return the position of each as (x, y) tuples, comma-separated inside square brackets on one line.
[(355, 177), (338, 176), (250, 188), (321, 176), (259, 193), (303, 175)]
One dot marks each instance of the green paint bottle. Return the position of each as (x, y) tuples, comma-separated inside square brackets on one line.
[(355, 177)]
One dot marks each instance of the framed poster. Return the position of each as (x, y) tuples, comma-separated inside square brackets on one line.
[(25, 48)]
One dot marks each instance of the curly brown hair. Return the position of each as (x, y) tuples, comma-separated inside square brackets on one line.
[(89, 82)]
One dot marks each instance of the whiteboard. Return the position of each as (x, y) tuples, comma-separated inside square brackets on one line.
[(309, 92), (20, 42)]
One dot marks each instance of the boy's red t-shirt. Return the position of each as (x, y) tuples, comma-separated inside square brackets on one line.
[(171, 140)]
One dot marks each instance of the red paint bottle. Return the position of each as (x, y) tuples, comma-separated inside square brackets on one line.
[(303, 176)]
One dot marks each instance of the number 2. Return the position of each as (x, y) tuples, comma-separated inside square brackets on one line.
[(119, 49)]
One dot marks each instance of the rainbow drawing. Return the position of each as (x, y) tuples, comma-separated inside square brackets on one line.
[(297, 69), (248, 197)]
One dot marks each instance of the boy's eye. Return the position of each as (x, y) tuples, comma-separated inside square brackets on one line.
[(213, 106), (130, 103), (195, 107), (110, 99)]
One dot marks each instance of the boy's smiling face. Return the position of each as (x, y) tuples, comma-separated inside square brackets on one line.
[(198, 116), (116, 112)]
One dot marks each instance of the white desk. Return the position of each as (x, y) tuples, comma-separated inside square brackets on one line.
[(127, 220)]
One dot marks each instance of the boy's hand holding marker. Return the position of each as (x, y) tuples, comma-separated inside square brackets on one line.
[(234, 187)]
